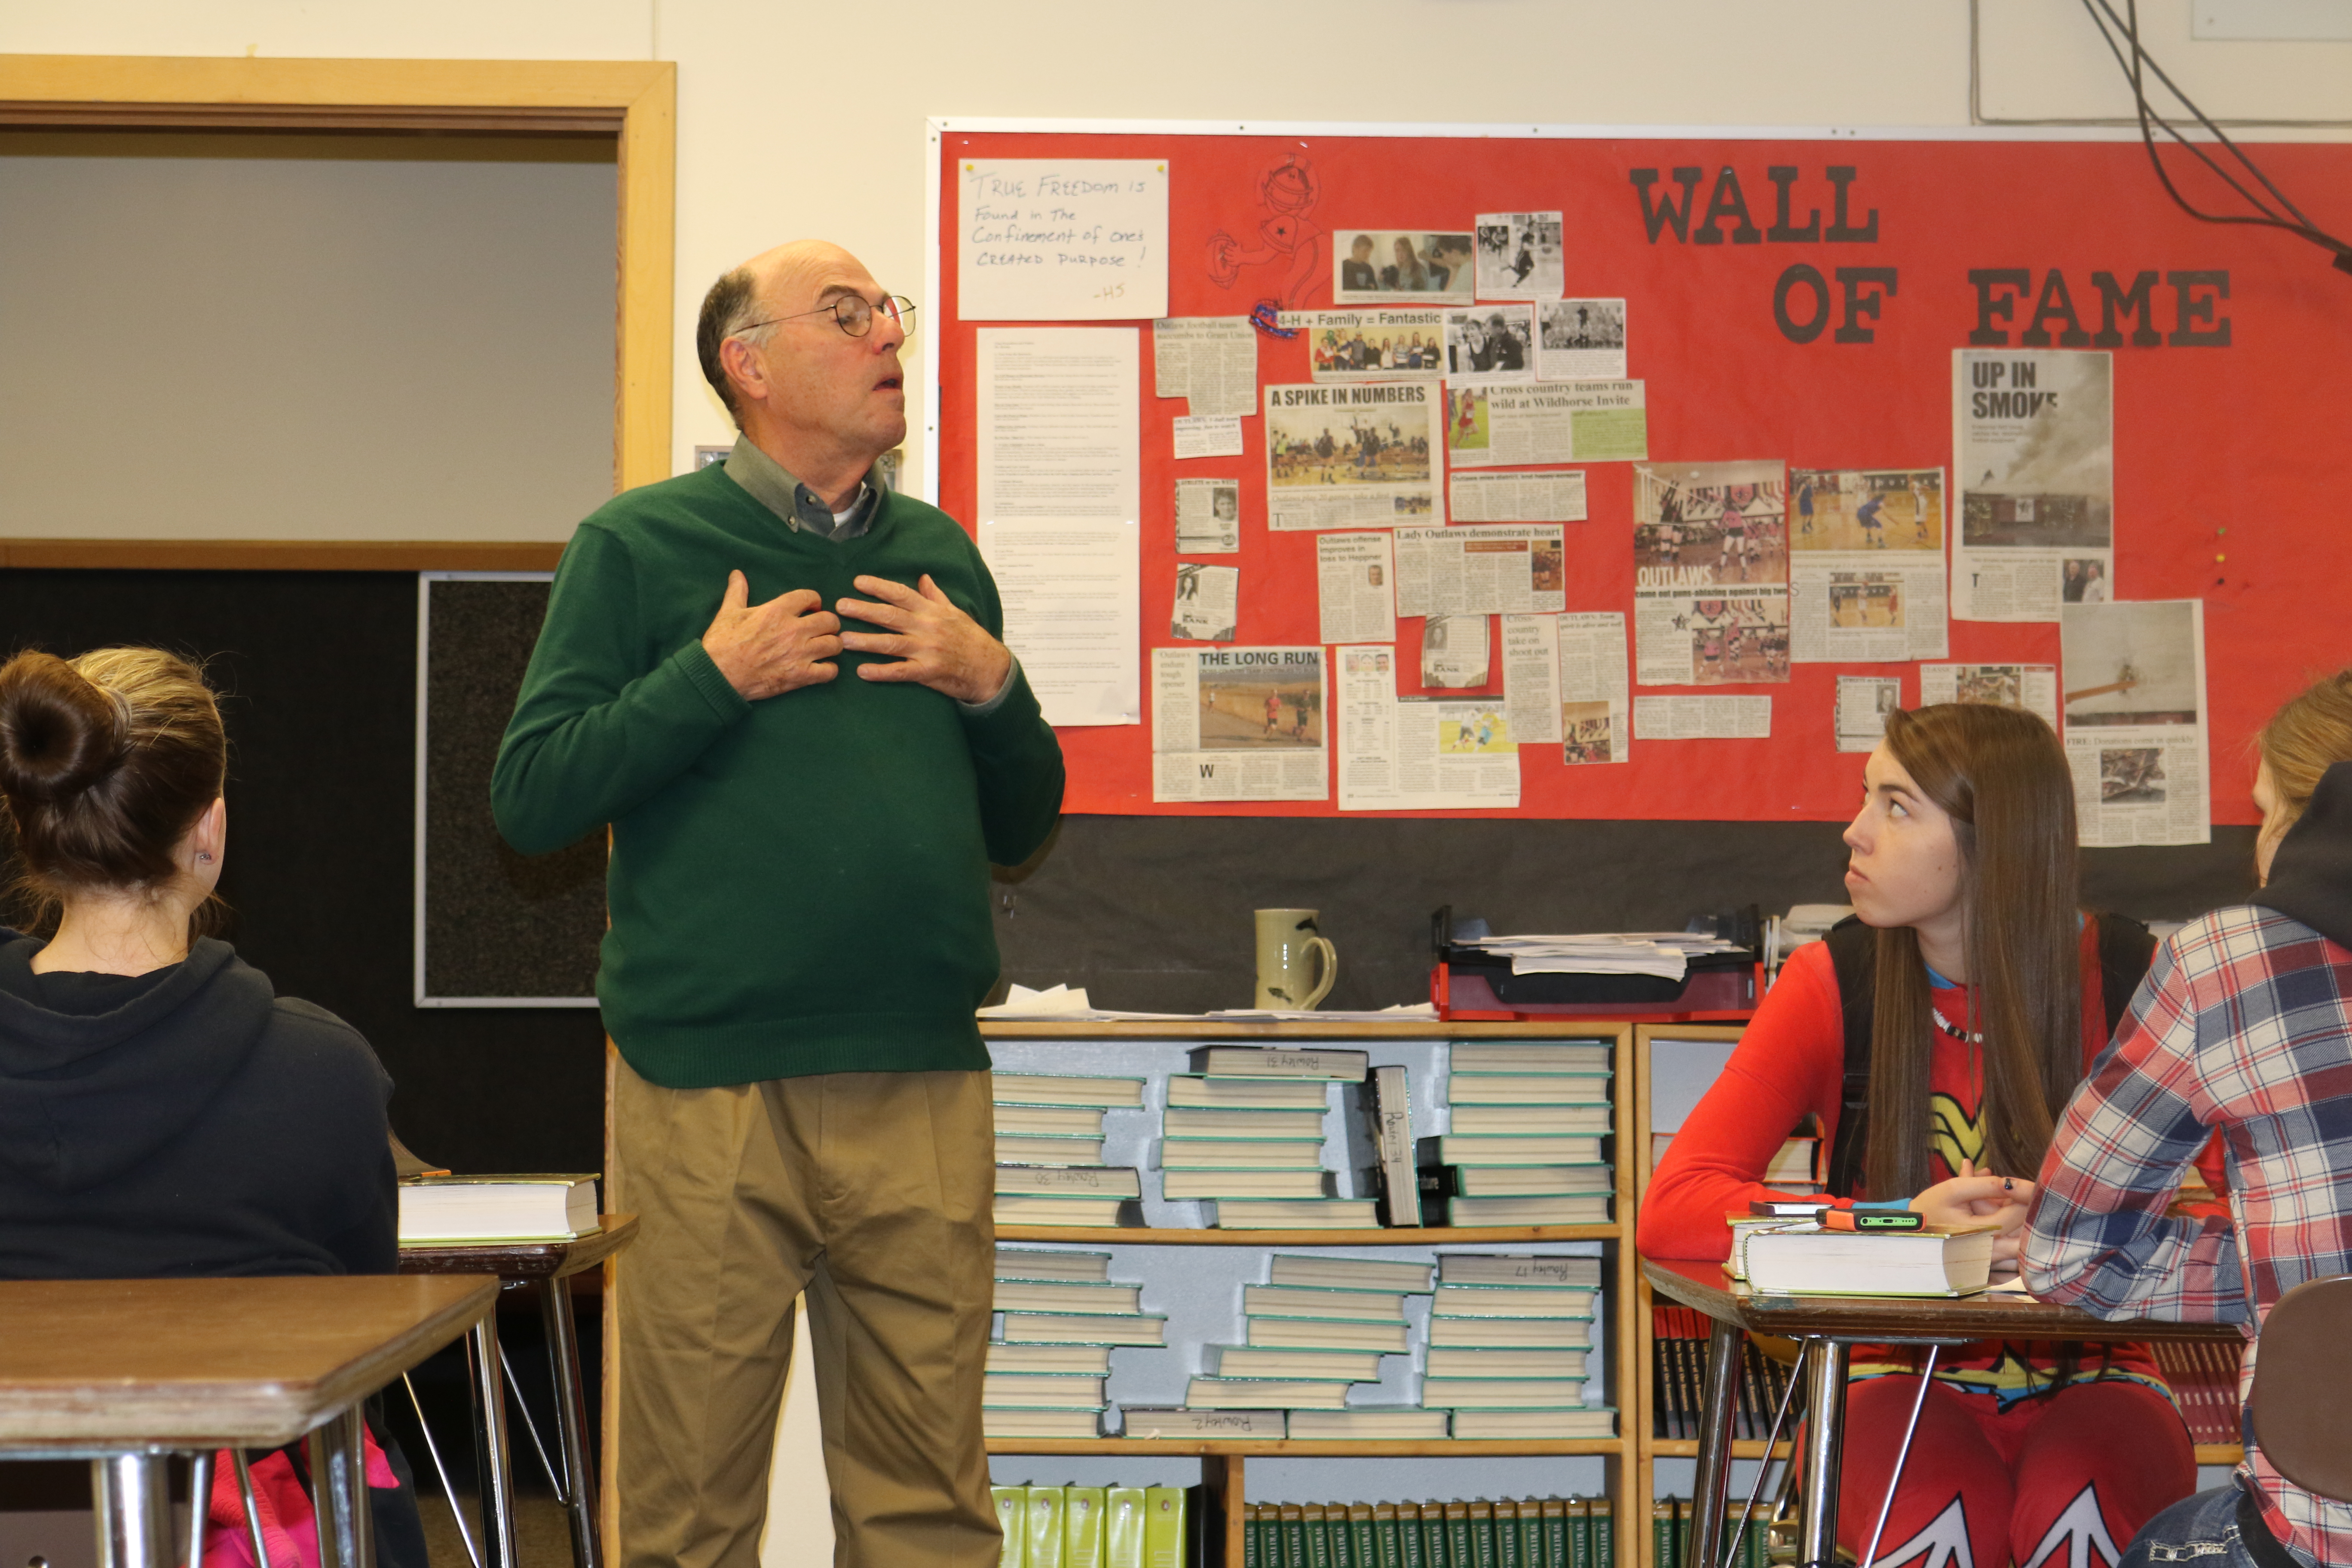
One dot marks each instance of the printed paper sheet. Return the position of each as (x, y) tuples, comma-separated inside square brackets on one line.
[(1371, 345), (1581, 340), (1531, 677), (1594, 721), (2134, 679), (1061, 239), (1398, 267), (1710, 574), (1207, 434), (1059, 495), (1206, 605), (1556, 496), (1208, 517), (1702, 718), (1352, 456), (1491, 344), (1866, 565), (1399, 755), (1209, 361), (2032, 686), (1354, 578), (1519, 256), (1240, 724), (1489, 427), (1454, 652), (1511, 568), (1864, 701), (2033, 468)]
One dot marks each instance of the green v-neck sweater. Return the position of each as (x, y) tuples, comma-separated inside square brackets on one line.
[(798, 885)]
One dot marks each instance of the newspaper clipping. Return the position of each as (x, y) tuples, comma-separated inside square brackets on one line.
[(2032, 686), (1205, 601), (1864, 701), (1353, 586), (1376, 265), (1401, 756), (1519, 256), (1208, 517), (1531, 677), (2034, 464), (1352, 456), (1206, 434), (1210, 360), (1371, 345), (1581, 340), (1702, 718), (1866, 565), (1710, 574), (2135, 703), (1512, 568), (1454, 653), (1593, 718), (1489, 427), (1557, 497), (1238, 723), (1491, 342)]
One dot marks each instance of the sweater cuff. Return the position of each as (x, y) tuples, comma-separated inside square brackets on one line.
[(694, 662), (982, 709)]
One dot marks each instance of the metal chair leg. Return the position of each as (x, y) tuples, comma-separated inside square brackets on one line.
[(493, 1459), (1717, 1407), (252, 1506), (572, 1424), (1824, 1432), (337, 1454), (133, 1511), (200, 1497), (1926, 1376), (448, 1488)]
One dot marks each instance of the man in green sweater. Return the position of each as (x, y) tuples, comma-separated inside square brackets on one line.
[(781, 686)]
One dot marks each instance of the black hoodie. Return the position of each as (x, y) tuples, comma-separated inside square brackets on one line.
[(188, 1121), (2311, 873)]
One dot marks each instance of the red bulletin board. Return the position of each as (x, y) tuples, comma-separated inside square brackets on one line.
[(2234, 464)]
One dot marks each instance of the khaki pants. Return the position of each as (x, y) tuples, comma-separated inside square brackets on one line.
[(871, 1190)]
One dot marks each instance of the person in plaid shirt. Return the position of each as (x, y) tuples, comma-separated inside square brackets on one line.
[(2244, 1026)]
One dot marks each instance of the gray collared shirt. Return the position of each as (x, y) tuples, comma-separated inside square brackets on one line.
[(765, 481)]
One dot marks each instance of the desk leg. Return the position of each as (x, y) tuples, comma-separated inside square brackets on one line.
[(493, 1463), (134, 1512), (1824, 1438), (1714, 1479), (572, 1422), (338, 1454), (200, 1497)]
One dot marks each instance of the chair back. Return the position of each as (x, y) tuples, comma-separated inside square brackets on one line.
[(2297, 1409)]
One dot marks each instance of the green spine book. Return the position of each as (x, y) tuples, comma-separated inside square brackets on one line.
[(1318, 1535), (1294, 1536), (1662, 1533), (1682, 1517), (1567, 1533), (1409, 1552), (1458, 1536), (1433, 1536), (1604, 1533), (1362, 1535), (1507, 1549), (1343, 1540), (1012, 1517), (1269, 1519), (1123, 1528), (1388, 1545), (1251, 1557), (1753, 1543), (1045, 1527), (1082, 1526), (1163, 1527), (1483, 1547), (1531, 1532)]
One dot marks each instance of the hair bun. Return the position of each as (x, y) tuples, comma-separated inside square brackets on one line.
[(59, 734)]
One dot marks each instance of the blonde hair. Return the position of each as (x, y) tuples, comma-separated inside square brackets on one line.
[(106, 762), (2304, 738)]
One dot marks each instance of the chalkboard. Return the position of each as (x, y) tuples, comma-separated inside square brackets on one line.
[(494, 928)]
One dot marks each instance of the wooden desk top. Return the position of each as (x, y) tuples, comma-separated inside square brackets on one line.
[(1870, 1318), (525, 1260), (90, 1364)]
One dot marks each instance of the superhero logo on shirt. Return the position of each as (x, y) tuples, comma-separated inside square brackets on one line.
[(1954, 1135)]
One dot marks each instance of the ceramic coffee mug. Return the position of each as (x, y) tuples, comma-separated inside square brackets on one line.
[(1287, 939)]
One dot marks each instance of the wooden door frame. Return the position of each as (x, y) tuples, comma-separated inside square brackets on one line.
[(635, 101)]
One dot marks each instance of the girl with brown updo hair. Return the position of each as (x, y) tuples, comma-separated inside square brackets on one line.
[(163, 1113), (1933, 1038)]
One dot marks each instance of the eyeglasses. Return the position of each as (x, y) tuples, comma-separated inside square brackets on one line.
[(853, 313)]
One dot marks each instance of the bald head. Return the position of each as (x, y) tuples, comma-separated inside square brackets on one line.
[(750, 298)]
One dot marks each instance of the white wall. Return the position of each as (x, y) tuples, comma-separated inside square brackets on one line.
[(798, 120)]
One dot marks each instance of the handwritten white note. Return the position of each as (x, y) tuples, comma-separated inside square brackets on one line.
[(1061, 239)]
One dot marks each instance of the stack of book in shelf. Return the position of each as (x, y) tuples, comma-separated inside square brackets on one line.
[(1529, 1136), (1096, 1527), (2204, 1378), (1508, 1338), (1670, 1537), (1063, 1313), (1049, 1143), (1530, 1532), (1244, 1136), (1679, 1348)]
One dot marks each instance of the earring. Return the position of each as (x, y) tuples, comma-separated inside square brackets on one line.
[(203, 858)]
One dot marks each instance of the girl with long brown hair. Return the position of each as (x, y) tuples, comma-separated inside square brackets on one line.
[(1934, 1040)]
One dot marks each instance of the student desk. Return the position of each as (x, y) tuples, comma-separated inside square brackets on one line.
[(1828, 1327), (516, 1263), (124, 1373)]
